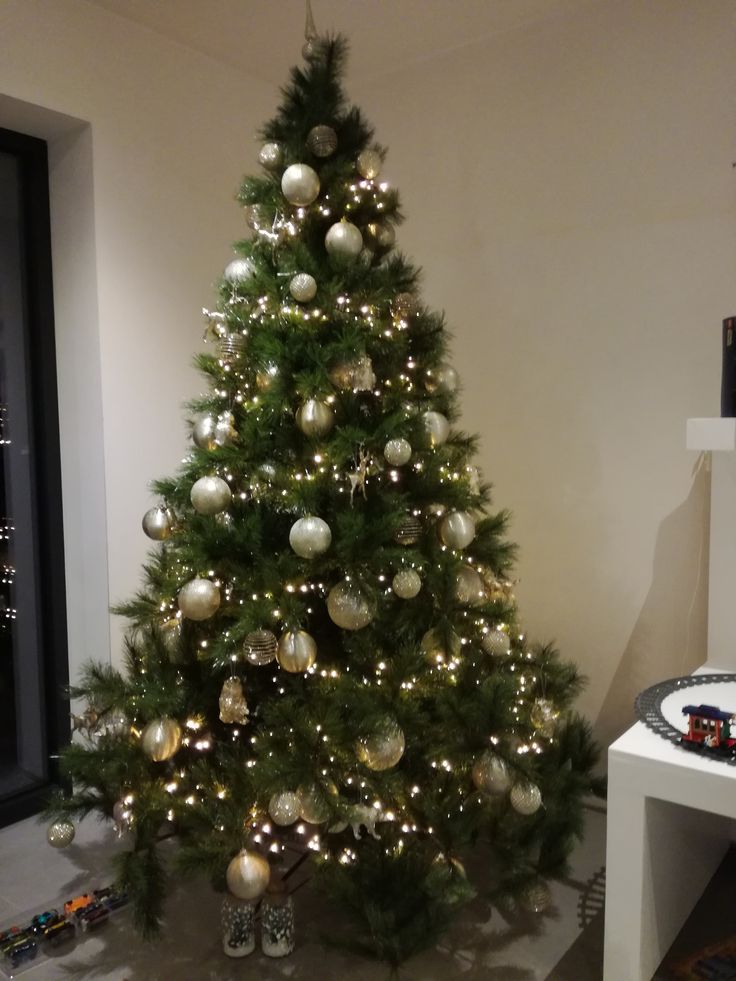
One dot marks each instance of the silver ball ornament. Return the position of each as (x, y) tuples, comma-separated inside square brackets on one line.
[(496, 642), (434, 429), (322, 141), (313, 808), (60, 834), (315, 418), (297, 651), (303, 287), (349, 607), (300, 185), (369, 164), (469, 587), (310, 536), (344, 240), (442, 380), (525, 798), (406, 583), (239, 271), (210, 495), (536, 898), (397, 452), (203, 432), (161, 739), (156, 524), (284, 808), (490, 774), (199, 599), (382, 749), (456, 529), (248, 875), (271, 155), (260, 647)]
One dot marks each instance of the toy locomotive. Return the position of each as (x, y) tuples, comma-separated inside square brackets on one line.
[(710, 730)]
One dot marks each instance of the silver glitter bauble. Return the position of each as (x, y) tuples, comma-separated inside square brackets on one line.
[(297, 651), (404, 305), (231, 347), (300, 185), (409, 530), (535, 898), (203, 432), (383, 748), (406, 583), (496, 642), (233, 706), (526, 798), (544, 716), (156, 524), (310, 536), (322, 141), (161, 739), (397, 452), (271, 155), (248, 875), (469, 587), (344, 240), (490, 774), (354, 375), (60, 833), (284, 808), (456, 529), (315, 418), (379, 235), (434, 428), (349, 607), (439, 646), (239, 271), (210, 495), (369, 164), (199, 599), (303, 287), (313, 808), (260, 647), (442, 380)]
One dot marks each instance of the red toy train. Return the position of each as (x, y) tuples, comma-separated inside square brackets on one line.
[(710, 730)]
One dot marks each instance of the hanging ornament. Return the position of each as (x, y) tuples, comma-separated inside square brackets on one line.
[(383, 748), (409, 531), (313, 808), (397, 452), (406, 583), (199, 599), (440, 646), (496, 642), (240, 271), (161, 739), (536, 897), (300, 185), (354, 375), (303, 287), (231, 348), (348, 606), (359, 476), (473, 475), (544, 717), (490, 774), (526, 798), (122, 816), (297, 651), (369, 164), (285, 808), (248, 875), (343, 240), (433, 512), (233, 706), (456, 529), (379, 235), (60, 834), (115, 723), (259, 216), (156, 524), (469, 587), (260, 647), (311, 47), (315, 418), (210, 495), (87, 722), (171, 637), (322, 141), (271, 156), (310, 536), (225, 431), (404, 305), (203, 432), (441, 380), (434, 428)]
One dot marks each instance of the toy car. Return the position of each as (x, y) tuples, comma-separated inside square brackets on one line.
[(710, 730), (13, 936), (41, 921), (78, 903), (116, 899), (24, 950), (58, 933), (93, 916)]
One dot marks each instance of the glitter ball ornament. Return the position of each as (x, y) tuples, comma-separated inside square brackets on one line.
[(199, 599), (233, 706), (239, 271), (456, 529), (284, 808), (260, 647), (277, 921), (406, 583), (315, 418), (161, 739), (536, 897), (203, 432), (439, 646), (397, 452), (490, 774), (310, 536), (344, 240), (404, 305), (544, 716), (60, 834), (210, 495), (442, 380), (297, 651), (303, 287), (258, 216), (271, 156), (313, 808), (156, 524), (496, 642), (322, 141), (409, 530), (382, 749), (379, 235), (231, 348), (526, 798), (238, 924), (369, 164), (348, 606), (300, 185), (354, 375), (434, 429), (248, 875), (469, 587)]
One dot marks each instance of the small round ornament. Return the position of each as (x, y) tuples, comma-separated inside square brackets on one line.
[(156, 524), (300, 185), (248, 875), (469, 587), (271, 155), (354, 375), (382, 749), (440, 646), (210, 495), (397, 452), (303, 287), (442, 380), (536, 897), (369, 164), (404, 305), (310, 536), (456, 529), (240, 271), (409, 530), (233, 706), (161, 739), (313, 808), (231, 347), (260, 647), (344, 240), (258, 216), (544, 716), (203, 432), (199, 599), (284, 808), (315, 418), (490, 774), (406, 583), (526, 798), (322, 141), (348, 606), (496, 642), (297, 651), (60, 834), (434, 428), (379, 235)]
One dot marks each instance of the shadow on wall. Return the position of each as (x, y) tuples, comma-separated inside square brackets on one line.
[(669, 637)]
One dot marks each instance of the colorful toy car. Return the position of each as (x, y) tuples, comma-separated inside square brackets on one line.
[(78, 903), (709, 730), (116, 899), (58, 933), (41, 921), (13, 935), (25, 949), (92, 916)]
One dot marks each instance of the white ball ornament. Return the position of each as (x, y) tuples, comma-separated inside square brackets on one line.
[(469, 587), (239, 271), (315, 418), (248, 875), (525, 798), (300, 185), (397, 452), (210, 495), (344, 240), (406, 583), (496, 642), (271, 155), (369, 164), (442, 380), (284, 808), (490, 774), (456, 529), (313, 808), (156, 524), (348, 606), (303, 287), (161, 739), (383, 749), (310, 536), (435, 429), (297, 651), (199, 599), (60, 834)]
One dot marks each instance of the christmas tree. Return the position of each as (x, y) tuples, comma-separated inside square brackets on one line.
[(326, 653)]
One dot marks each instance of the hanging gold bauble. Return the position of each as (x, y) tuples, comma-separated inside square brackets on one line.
[(348, 606), (248, 875), (526, 798), (313, 808), (260, 647), (382, 749), (315, 418), (233, 706), (490, 774), (285, 808), (161, 739), (297, 651)]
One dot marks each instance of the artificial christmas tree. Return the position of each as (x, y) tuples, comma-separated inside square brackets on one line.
[(326, 653)]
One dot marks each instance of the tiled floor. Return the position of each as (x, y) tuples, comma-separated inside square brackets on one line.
[(480, 946)]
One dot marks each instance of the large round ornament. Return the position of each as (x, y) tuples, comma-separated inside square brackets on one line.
[(490, 774), (60, 834), (297, 651), (231, 347), (496, 642), (322, 141), (469, 587), (397, 452), (260, 647), (284, 808), (310, 536), (315, 418), (210, 495), (344, 240), (161, 739), (368, 164), (435, 429), (536, 897), (156, 524), (544, 716), (379, 235), (271, 155), (348, 606), (409, 530), (526, 798), (248, 875), (199, 599), (303, 287), (239, 271), (313, 808), (203, 432), (457, 529), (300, 185), (355, 375), (406, 583), (383, 748), (442, 380)]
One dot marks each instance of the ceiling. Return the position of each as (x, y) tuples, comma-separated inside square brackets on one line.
[(263, 37)]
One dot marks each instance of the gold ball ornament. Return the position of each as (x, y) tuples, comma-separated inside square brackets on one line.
[(313, 808), (156, 524), (525, 798), (349, 607), (469, 587), (248, 875), (456, 529), (442, 380), (344, 240), (271, 155), (369, 164), (315, 418), (231, 348), (303, 287), (382, 749), (536, 897), (240, 271), (490, 774), (406, 583), (409, 531), (397, 452), (199, 599), (322, 141), (297, 651), (210, 495), (496, 642), (60, 834), (300, 185), (161, 739), (310, 536), (434, 429), (544, 717), (203, 432), (284, 808), (233, 706), (260, 647)]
